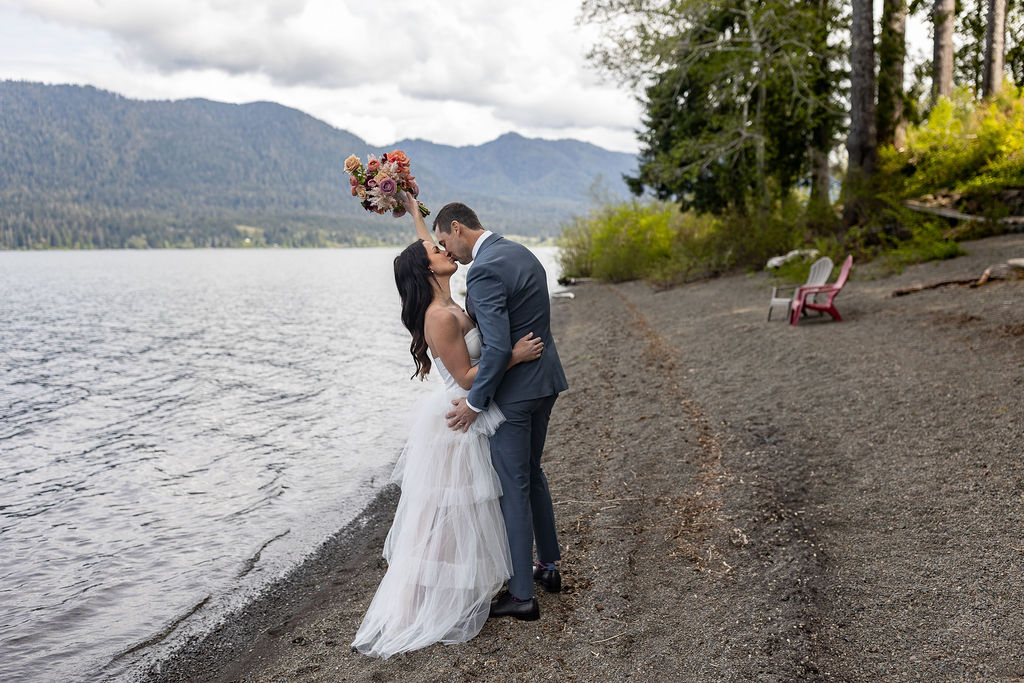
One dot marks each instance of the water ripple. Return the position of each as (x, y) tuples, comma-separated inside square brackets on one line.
[(176, 429)]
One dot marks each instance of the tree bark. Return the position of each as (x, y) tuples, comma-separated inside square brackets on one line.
[(892, 54), (823, 124), (995, 47), (762, 96), (861, 144), (942, 60)]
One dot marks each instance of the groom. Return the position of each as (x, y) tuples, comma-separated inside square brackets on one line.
[(507, 295)]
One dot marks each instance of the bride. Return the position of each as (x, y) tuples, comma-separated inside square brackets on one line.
[(447, 551)]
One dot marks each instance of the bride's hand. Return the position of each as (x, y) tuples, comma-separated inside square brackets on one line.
[(412, 207), (526, 349), (409, 202)]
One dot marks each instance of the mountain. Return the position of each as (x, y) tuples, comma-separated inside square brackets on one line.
[(82, 168)]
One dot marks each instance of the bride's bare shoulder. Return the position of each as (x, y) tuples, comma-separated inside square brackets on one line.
[(440, 318)]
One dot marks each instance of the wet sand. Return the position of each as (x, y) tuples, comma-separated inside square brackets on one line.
[(736, 500)]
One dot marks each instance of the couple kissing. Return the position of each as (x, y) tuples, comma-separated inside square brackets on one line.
[(474, 500)]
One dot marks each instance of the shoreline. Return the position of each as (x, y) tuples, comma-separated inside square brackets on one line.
[(233, 637), (525, 240), (735, 499)]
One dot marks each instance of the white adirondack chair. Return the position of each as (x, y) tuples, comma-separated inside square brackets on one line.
[(820, 270)]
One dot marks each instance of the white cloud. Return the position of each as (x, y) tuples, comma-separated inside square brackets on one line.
[(454, 71)]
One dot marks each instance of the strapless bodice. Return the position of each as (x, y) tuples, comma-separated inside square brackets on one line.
[(474, 343)]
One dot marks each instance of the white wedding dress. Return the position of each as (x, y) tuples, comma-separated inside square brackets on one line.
[(447, 551)]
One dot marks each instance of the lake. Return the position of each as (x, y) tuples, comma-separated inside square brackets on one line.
[(179, 428)]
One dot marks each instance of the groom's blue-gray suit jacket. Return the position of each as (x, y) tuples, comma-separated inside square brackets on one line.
[(507, 294)]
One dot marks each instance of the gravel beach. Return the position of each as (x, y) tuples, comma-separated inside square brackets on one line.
[(736, 499)]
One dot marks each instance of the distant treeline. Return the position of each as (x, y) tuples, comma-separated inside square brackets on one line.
[(74, 226)]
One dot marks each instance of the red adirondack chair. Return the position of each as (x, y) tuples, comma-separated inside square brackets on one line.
[(803, 299)]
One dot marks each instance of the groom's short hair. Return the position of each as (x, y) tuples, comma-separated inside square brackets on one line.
[(456, 211)]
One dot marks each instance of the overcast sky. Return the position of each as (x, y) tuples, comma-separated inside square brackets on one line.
[(458, 72)]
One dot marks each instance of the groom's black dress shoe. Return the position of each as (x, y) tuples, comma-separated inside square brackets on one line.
[(506, 606), (549, 578)]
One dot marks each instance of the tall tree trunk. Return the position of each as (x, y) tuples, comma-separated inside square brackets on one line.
[(942, 60), (892, 54), (862, 141), (995, 47), (762, 96), (822, 121)]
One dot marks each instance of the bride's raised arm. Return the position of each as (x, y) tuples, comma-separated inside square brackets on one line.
[(412, 208)]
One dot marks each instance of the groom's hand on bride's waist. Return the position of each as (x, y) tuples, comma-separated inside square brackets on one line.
[(461, 416)]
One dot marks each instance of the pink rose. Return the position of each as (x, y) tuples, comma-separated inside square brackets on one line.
[(388, 186), (373, 166)]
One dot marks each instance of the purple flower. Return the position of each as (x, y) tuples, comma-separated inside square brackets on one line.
[(399, 212), (388, 186), (370, 184)]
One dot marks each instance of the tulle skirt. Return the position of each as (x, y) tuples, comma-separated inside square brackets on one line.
[(447, 551)]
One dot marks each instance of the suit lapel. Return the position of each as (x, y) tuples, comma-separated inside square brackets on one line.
[(494, 237)]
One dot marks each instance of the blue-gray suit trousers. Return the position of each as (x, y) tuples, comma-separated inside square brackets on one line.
[(516, 450)]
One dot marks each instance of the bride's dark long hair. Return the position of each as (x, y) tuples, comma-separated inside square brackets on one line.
[(415, 285)]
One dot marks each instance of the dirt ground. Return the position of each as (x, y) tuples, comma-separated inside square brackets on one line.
[(737, 500)]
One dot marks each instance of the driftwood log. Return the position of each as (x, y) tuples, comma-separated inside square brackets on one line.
[(566, 281), (1014, 223), (1011, 270)]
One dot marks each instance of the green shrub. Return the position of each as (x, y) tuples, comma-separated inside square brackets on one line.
[(966, 147), (927, 243), (654, 240), (576, 248), (631, 240)]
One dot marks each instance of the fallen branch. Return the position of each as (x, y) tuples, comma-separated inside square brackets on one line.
[(934, 285), (1013, 221), (1012, 269)]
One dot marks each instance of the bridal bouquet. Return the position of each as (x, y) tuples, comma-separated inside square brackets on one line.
[(379, 183)]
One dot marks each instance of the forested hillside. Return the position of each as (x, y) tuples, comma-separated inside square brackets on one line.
[(84, 168)]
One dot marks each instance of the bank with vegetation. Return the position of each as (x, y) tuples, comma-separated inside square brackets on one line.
[(759, 139)]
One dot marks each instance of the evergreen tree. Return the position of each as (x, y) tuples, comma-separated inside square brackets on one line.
[(740, 97)]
